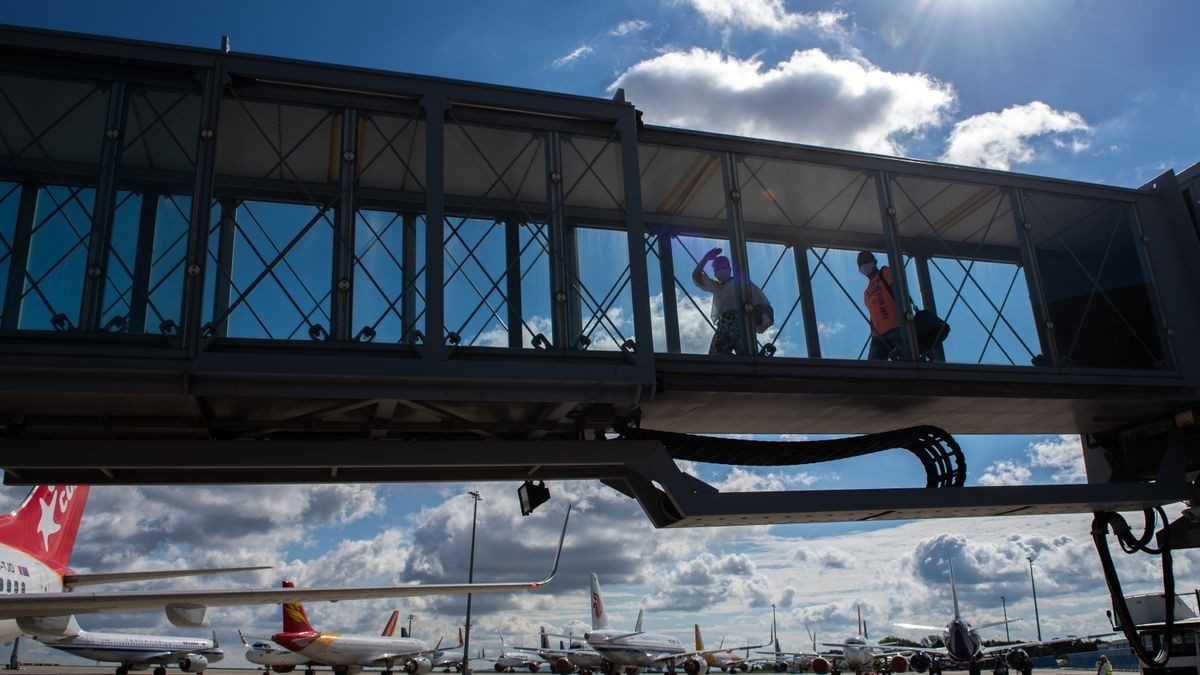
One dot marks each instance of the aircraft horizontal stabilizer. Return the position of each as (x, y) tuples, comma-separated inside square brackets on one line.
[(996, 623), (918, 626), (74, 580)]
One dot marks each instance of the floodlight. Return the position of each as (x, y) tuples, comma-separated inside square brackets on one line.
[(532, 495)]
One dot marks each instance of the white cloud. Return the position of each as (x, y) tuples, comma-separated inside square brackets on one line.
[(826, 329), (628, 27), (769, 15), (1006, 472), (575, 55), (748, 480), (811, 97), (998, 140), (1063, 454)]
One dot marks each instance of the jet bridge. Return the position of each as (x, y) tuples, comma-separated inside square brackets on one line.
[(221, 267)]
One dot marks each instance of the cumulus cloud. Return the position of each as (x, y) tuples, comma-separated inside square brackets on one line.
[(999, 140), (749, 480), (770, 15), (1006, 472), (708, 580), (811, 97), (1062, 454)]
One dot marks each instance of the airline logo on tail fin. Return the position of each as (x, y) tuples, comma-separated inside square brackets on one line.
[(295, 620), (389, 628), (599, 618), (46, 523)]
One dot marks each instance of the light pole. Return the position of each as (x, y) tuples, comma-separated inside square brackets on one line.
[(410, 618), (1036, 617), (1007, 637), (466, 666)]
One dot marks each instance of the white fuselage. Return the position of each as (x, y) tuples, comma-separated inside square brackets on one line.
[(270, 654), (362, 650), (37, 578), (579, 657), (962, 642), (450, 657), (857, 654), (643, 649), (134, 649), (518, 659)]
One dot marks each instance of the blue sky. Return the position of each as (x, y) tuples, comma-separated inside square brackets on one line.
[(1093, 91)]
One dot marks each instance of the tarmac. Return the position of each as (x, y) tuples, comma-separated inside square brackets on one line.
[(109, 670)]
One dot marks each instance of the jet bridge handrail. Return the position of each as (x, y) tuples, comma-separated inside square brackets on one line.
[(945, 465)]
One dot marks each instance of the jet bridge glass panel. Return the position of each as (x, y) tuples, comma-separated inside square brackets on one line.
[(686, 212), (273, 219), (966, 247), (53, 135), (388, 283), (1099, 293), (817, 218), (497, 240)]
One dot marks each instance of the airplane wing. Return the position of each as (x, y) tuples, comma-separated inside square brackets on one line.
[(75, 580), (996, 623), (616, 637), (918, 626), (188, 608), (1039, 643)]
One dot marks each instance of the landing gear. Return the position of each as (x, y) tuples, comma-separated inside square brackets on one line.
[(161, 670), (122, 670), (533, 667), (973, 668)]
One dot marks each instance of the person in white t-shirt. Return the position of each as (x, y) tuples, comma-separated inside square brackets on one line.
[(726, 313)]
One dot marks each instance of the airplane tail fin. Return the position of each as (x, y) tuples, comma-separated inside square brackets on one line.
[(294, 618), (637, 627), (242, 638), (503, 644), (599, 617), (775, 630), (46, 523), (389, 628), (699, 640), (953, 590), (216, 644), (545, 640)]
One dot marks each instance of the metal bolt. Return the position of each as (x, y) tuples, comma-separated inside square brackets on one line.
[(555, 176), (193, 270), (348, 156), (735, 195), (1145, 239), (747, 308), (1028, 226), (206, 133), (112, 134), (891, 211), (1049, 325), (93, 271), (909, 315), (1170, 332), (560, 297), (344, 285)]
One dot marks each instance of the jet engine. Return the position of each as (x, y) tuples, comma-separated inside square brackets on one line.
[(920, 662), (283, 669), (193, 664), (534, 667), (694, 666), (781, 666), (1017, 659), (562, 666), (418, 666), (744, 667), (820, 665), (899, 663)]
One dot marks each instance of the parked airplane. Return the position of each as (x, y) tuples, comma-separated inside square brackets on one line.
[(138, 652), (639, 649), (791, 661), (963, 646), (271, 656), (726, 661), (512, 658), (36, 541), (858, 653), (574, 654), (351, 653), (450, 658)]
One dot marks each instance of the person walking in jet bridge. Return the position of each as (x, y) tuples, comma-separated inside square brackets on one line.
[(1103, 667), (881, 306), (728, 334)]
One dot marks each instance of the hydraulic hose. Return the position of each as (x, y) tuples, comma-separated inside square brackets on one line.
[(1131, 544)]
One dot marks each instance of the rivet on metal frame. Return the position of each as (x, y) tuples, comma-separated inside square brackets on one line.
[(891, 211), (1049, 325), (206, 133), (344, 285), (112, 134), (747, 307), (735, 195), (555, 176), (1028, 226), (1170, 332), (93, 271), (560, 297), (909, 315), (193, 270), (1145, 239), (348, 156)]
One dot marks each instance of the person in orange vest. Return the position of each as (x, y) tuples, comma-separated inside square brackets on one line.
[(881, 306)]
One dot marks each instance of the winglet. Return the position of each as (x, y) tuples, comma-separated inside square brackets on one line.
[(558, 555), (242, 638), (216, 645)]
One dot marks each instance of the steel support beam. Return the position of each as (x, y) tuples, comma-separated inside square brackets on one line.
[(666, 272), (143, 262), (18, 258), (812, 334), (1037, 294), (633, 467), (104, 206)]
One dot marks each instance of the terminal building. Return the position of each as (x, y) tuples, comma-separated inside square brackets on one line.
[(200, 249)]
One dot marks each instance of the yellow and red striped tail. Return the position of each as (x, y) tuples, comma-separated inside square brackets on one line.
[(294, 618)]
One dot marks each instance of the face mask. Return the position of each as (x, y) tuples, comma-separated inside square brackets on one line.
[(723, 274), (866, 269)]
